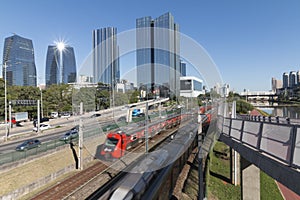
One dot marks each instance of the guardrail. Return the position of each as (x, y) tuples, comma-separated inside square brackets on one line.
[(280, 141), (18, 155), (271, 119)]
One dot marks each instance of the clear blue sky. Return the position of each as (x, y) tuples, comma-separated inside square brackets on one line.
[(250, 41)]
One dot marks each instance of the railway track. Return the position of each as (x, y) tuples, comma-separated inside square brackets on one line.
[(70, 186)]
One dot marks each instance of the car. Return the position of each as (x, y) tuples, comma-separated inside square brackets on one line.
[(54, 115), (44, 119), (136, 112), (95, 115), (28, 144), (42, 127), (122, 119), (71, 134), (65, 115)]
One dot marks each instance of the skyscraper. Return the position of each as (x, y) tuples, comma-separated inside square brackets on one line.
[(285, 80), (182, 68), (158, 64), (106, 56), (292, 79), (18, 54), (57, 73)]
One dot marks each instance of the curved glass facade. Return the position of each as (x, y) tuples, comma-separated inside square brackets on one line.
[(55, 73), (18, 54), (158, 67)]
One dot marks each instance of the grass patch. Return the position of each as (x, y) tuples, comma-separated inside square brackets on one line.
[(218, 176), (219, 186), (268, 188)]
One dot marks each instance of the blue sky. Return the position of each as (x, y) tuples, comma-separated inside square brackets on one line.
[(249, 40)]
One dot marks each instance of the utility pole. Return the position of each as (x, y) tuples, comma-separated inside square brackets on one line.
[(5, 103), (9, 114), (146, 128), (38, 116), (80, 141)]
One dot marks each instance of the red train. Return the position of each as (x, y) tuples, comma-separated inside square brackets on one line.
[(117, 143)]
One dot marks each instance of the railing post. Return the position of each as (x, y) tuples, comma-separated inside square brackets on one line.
[(260, 135), (293, 144), (242, 130), (264, 118), (277, 119), (270, 119), (288, 120)]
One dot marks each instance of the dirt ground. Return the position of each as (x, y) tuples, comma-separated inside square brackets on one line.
[(36, 169)]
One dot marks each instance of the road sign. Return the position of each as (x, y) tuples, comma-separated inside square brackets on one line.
[(24, 102)]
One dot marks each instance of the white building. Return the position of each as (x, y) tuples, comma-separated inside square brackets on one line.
[(191, 86)]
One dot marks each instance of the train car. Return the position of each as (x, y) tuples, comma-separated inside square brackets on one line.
[(117, 143), (162, 165)]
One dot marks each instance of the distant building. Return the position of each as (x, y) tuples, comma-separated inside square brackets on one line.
[(182, 68), (222, 90), (276, 84), (85, 79), (158, 63), (18, 54), (298, 78), (56, 72), (106, 56), (191, 86), (124, 86), (292, 79), (285, 80)]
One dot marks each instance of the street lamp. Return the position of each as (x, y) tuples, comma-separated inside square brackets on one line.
[(5, 102), (42, 113)]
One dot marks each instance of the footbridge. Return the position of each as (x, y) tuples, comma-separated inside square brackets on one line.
[(259, 95), (270, 145)]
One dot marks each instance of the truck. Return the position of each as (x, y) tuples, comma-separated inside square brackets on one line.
[(19, 117)]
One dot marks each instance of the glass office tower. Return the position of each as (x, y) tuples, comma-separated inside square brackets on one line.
[(158, 63), (106, 56), (18, 54), (57, 73)]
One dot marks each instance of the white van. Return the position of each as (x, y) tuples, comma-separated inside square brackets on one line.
[(54, 114)]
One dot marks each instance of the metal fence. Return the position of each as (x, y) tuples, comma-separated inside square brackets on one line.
[(18, 155), (280, 141), (271, 119)]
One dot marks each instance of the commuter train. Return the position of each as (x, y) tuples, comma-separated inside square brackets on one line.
[(118, 142), (155, 175)]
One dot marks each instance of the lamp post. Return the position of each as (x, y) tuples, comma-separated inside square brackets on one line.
[(42, 113), (5, 103)]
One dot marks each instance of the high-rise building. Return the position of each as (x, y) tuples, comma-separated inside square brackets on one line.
[(60, 69), (285, 80), (298, 78), (18, 54), (292, 79), (276, 84), (106, 56), (158, 63), (182, 68)]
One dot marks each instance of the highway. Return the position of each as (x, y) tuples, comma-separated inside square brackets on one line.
[(60, 126)]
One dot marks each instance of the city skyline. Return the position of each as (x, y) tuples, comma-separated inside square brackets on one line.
[(249, 41)]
